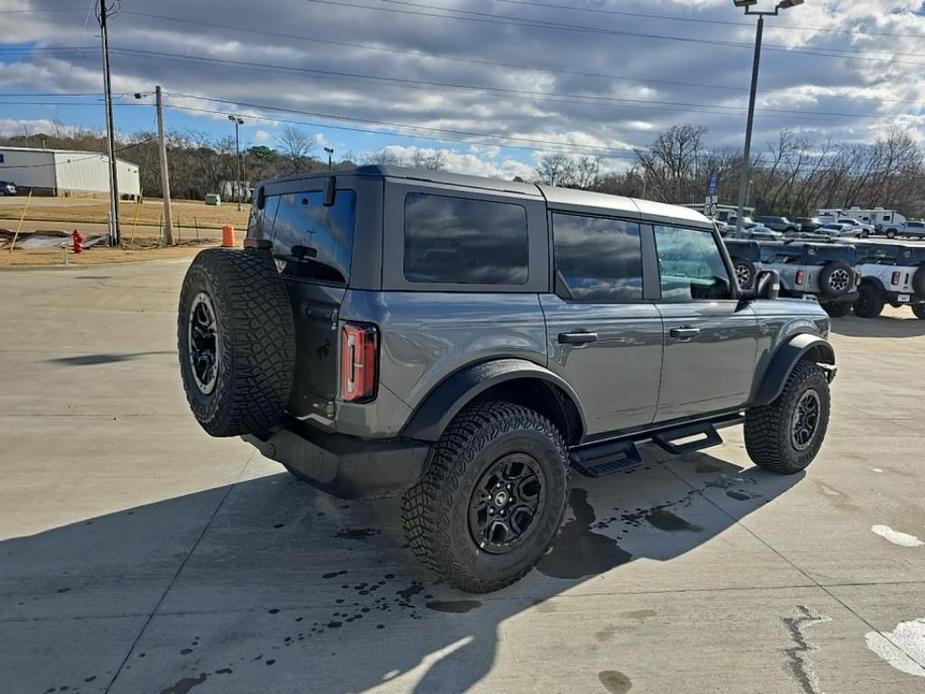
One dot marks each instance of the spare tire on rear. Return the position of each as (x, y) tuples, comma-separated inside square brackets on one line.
[(836, 278), (236, 341), (918, 281)]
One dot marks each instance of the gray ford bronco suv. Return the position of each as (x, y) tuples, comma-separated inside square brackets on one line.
[(467, 342)]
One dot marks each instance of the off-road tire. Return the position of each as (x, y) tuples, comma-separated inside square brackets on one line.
[(768, 427), (918, 310), (837, 309), (435, 512), (870, 302), (825, 279), (918, 281), (255, 345), (746, 272)]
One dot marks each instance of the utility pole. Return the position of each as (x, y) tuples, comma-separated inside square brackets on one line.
[(330, 151), (237, 149), (747, 153), (165, 174), (115, 232)]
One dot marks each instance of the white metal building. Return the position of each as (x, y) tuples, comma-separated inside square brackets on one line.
[(65, 172)]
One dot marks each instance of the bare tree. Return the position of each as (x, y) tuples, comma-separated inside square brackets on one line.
[(556, 169), (296, 147), (430, 160)]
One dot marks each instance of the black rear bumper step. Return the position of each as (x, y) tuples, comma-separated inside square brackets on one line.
[(606, 459), (707, 438)]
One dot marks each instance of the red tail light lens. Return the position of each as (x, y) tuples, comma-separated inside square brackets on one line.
[(359, 346), (799, 277), (897, 276)]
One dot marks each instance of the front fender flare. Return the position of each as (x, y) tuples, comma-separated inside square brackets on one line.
[(787, 356), (445, 401)]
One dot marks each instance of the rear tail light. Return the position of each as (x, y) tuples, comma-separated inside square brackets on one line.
[(799, 277), (359, 347), (896, 277)]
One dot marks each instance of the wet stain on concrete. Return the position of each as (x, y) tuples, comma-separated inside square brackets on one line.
[(456, 606), (706, 469), (738, 496), (184, 685), (577, 551), (606, 633), (641, 615), (334, 574), (356, 533), (409, 592), (615, 682), (664, 519)]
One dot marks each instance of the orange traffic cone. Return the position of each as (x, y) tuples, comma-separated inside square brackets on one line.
[(228, 236)]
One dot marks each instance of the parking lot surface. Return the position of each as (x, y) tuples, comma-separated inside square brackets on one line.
[(139, 555)]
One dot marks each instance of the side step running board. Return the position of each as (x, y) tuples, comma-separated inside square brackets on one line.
[(706, 434), (605, 459)]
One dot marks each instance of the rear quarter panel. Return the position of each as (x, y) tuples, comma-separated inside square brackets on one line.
[(427, 336)]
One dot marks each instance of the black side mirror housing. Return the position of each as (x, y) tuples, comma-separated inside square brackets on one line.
[(261, 198), (767, 285)]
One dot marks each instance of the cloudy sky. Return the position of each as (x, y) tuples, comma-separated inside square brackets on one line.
[(494, 82)]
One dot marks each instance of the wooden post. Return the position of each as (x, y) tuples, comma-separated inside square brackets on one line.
[(21, 218)]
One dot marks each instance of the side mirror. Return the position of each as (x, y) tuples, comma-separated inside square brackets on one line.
[(767, 285)]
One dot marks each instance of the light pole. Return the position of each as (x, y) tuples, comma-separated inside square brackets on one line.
[(238, 122), (330, 151), (747, 153)]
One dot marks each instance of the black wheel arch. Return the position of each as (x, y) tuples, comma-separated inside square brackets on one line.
[(513, 380), (875, 282), (788, 355)]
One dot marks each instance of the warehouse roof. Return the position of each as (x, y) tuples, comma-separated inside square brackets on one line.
[(52, 150)]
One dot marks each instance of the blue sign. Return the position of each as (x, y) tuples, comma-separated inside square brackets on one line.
[(714, 181)]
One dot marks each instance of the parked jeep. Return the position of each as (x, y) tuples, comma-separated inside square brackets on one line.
[(809, 269), (891, 274), (467, 342)]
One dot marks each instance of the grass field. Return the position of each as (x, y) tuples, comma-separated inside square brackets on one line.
[(188, 213), (99, 255)]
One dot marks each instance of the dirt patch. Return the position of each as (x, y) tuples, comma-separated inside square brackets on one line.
[(98, 255)]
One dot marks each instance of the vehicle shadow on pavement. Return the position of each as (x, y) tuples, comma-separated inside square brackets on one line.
[(288, 589), (104, 358), (882, 326)]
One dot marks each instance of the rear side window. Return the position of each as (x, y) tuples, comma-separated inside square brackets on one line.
[(597, 259), (310, 240), (450, 240)]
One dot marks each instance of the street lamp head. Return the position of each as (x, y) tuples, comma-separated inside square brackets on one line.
[(787, 4), (744, 3), (329, 150), (139, 95)]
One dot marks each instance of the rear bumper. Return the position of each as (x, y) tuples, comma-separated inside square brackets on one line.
[(345, 466)]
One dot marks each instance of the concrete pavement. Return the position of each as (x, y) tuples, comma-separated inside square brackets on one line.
[(139, 555)]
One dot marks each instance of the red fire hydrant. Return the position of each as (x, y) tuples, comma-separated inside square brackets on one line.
[(78, 241)]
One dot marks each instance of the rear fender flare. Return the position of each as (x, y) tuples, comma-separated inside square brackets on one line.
[(445, 401), (786, 358)]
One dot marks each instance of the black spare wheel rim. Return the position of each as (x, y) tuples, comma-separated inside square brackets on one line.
[(203, 353), (805, 421), (507, 499)]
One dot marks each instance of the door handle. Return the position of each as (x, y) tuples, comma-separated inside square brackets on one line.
[(579, 338), (684, 334)]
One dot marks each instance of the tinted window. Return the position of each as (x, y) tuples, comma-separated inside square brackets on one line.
[(313, 241), (598, 259), (462, 241), (691, 265), (260, 224)]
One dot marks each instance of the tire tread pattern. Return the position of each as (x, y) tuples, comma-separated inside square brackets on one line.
[(257, 336), (427, 506)]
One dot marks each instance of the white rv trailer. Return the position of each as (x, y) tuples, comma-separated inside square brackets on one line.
[(879, 217)]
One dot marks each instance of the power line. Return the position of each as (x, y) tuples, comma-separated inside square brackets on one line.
[(441, 56), (489, 18), (701, 20), (627, 103)]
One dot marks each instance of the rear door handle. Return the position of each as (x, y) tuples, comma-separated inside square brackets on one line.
[(577, 338), (684, 334)]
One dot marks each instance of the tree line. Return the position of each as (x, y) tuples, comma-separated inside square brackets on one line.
[(792, 176)]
